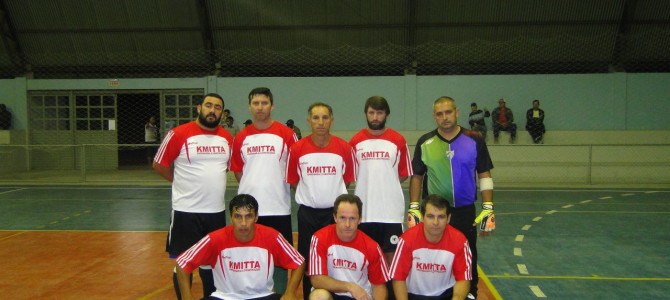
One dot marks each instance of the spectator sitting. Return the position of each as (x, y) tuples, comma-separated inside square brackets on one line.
[(503, 119)]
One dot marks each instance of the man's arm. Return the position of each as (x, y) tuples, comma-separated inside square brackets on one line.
[(165, 172), (400, 289), (379, 291), (415, 188), (403, 178), (238, 176), (336, 286), (487, 196), (461, 290), (293, 282), (184, 283)]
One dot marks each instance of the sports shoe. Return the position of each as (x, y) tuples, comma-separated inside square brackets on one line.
[(470, 296)]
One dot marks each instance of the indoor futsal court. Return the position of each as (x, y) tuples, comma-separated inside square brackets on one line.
[(107, 242)]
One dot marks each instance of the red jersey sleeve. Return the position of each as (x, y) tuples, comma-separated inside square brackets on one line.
[(202, 253), (285, 255), (317, 257), (348, 159), (402, 261), (169, 149), (292, 165), (405, 163), (463, 263), (236, 162), (377, 271)]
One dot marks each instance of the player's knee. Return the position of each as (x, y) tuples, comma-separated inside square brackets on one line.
[(320, 294)]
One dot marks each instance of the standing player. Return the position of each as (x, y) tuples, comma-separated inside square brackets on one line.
[(260, 152), (381, 158), (319, 169), (433, 260), (446, 161), (195, 157), (344, 262), (244, 256)]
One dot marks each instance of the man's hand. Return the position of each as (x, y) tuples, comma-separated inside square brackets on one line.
[(413, 214), (358, 292), (486, 219)]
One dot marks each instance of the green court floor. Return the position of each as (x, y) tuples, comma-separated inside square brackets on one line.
[(553, 243)]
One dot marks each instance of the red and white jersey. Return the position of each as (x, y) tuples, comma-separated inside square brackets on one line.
[(320, 172), (428, 268), (242, 270), (261, 156), (360, 261), (380, 161), (200, 158)]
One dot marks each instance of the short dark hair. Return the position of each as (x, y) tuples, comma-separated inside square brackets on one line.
[(437, 201), (315, 104), (353, 199), (378, 103), (261, 91), (215, 95), (538, 101), (473, 104), (230, 118), (226, 111), (243, 201)]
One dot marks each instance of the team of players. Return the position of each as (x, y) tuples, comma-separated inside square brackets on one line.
[(267, 158)]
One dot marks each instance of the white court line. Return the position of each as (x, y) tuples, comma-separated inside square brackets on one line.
[(525, 227), (522, 269), (517, 252), (16, 190), (585, 201), (537, 291), (607, 197), (651, 192), (537, 219), (550, 212), (626, 195), (519, 238), (568, 206)]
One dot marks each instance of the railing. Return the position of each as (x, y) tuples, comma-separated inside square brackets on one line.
[(513, 164)]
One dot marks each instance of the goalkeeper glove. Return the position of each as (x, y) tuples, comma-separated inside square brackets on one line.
[(413, 214), (486, 218)]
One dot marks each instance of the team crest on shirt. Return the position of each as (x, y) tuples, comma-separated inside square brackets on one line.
[(450, 154), (244, 266), (431, 268)]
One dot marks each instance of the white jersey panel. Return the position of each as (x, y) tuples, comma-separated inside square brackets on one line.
[(348, 264), (321, 179), (200, 174), (239, 269), (430, 274), (377, 181), (264, 173)]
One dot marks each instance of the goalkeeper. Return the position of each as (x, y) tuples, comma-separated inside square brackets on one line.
[(449, 161)]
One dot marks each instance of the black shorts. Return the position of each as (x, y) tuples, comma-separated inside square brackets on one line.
[(273, 296), (385, 234), (310, 220), (186, 229), (446, 295), (279, 223)]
